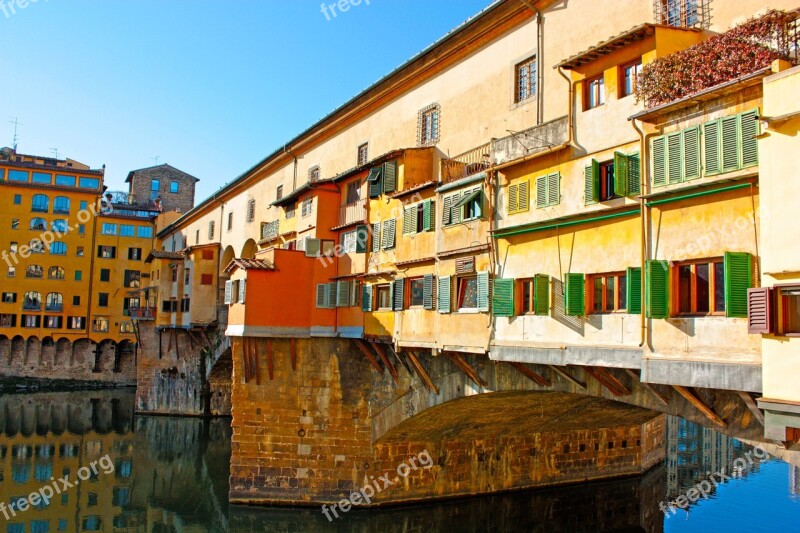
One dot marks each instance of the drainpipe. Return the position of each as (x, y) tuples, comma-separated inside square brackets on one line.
[(288, 150), (539, 70), (643, 207), (570, 106)]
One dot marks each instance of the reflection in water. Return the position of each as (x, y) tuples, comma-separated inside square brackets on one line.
[(171, 475)]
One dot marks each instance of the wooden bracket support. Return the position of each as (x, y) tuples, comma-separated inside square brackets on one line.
[(293, 352), (368, 354), (399, 358), (608, 380), (700, 405), (422, 373), (382, 354), (468, 369), (751, 404), (566, 375), (663, 398), (537, 378)]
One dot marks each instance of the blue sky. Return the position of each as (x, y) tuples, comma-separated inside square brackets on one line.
[(209, 86)]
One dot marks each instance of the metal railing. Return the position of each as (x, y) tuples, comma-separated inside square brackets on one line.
[(143, 313), (353, 212), (466, 164)]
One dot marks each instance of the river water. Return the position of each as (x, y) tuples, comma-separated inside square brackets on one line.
[(158, 474)]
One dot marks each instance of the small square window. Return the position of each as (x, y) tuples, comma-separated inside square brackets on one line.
[(105, 274), (102, 299), (78, 275), (76, 300), (17, 199), (174, 187)]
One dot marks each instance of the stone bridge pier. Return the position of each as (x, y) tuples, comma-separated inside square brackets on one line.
[(318, 420)]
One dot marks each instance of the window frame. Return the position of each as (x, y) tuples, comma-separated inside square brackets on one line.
[(462, 285), (362, 154), (636, 65), (781, 328), (712, 285), (620, 284), (606, 192), (379, 290), (594, 88), (531, 79), (429, 121), (174, 187), (418, 280)]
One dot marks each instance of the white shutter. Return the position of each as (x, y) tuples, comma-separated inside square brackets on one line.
[(228, 292)]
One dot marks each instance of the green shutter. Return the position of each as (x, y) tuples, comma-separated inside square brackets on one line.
[(675, 157), (621, 174), (366, 297), (376, 237), (322, 292), (484, 289), (447, 211), (389, 231), (657, 289), (575, 295), (427, 291), (375, 182), (691, 153), (541, 191), (738, 278), (554, 188), (590, 191), (634, 290), (503, 297), (390, 176), (343, 293), (443, 293), (711, 148), (399, 294), (541, 294), (409, 220), (455, 212), (361, 239), (634, 175), (730, 143), (659, 149), (428, 213), (749, 122), (331, 295)]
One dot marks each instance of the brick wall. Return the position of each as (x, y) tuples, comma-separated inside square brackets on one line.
[(183, 200)]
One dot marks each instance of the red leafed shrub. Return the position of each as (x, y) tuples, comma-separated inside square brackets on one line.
[(743, 50)]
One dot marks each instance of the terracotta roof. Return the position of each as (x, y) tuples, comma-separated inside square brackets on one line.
[(249, 264), (162, 254), (415, 188)]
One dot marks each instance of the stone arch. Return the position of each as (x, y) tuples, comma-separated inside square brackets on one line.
[(227, 256), (17, 355), (249, 249), (125, 357), (33, 351), (82, 354), (106, 355), (5, 350), (63, 352), (48, 355)]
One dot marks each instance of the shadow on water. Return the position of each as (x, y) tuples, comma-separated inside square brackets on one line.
[(171, 475)]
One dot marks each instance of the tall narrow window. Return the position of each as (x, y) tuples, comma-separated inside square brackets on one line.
[(363, 154), (630, 73), (428, 125), (174, 187), (525, 79), (594, 92)]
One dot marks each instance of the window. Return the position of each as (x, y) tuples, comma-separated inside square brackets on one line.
[(100, 324), (207, 279), (681, 13), (102, 299), (133, 279), (127, 230), (463, 206), (789, 310), (251, 210), (313, 174), (525, 84), (548, 190), (89, 183), (348, 242), (76, 300), (40, 203), (18, 175), (55, 272), (279, 192), (173, 187), (105, 274), (290, 210), (208, 255), (61, 204), (535, 295), (363, 154), (54, 322), (169, 306), (38, 224), (32, 301), (630, 73), (31, 321), (197, 236), (59, 225), (468, 292), (211, 230), (353, 192), (58, 248), (185, 302), (418, 218), (42, 178), (428, 124), (701, 287), (9, 297), (144, 232), (108, 229), (175, 275), (76, 322), (387, 240), (608, 293), (79, 251), (78, 275), (519, 197), (8, 320), (65, 181), (17, 199), (230, 221), (14, 223), (134, 254), (13, 248), (34, 271), (12, 272), (82, 229), (305, 207), (187, 276), (606, 191), (383, 297), (155, 185), (594, 92), (36, 246), (84, 205), (416, 292)]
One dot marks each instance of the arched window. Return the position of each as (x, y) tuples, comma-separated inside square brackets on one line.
[(32, 301), (55, 273), (34, 271), (39, 224), (36, 246), (58, 248), (59, 225), (61, 204), (41, 203), (54, 302)]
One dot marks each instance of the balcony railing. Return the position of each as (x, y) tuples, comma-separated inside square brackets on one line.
[(142, 313), (466, 164), (353, 212), (32, 306)]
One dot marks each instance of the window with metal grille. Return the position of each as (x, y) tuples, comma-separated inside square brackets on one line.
[(428, 125), (269, 230), (525, 84), (211, 230), (314, 173), (230, 221), (290, 210), (251, 209), (305, 208), (279, 192), (682, 13), (363, 154)]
